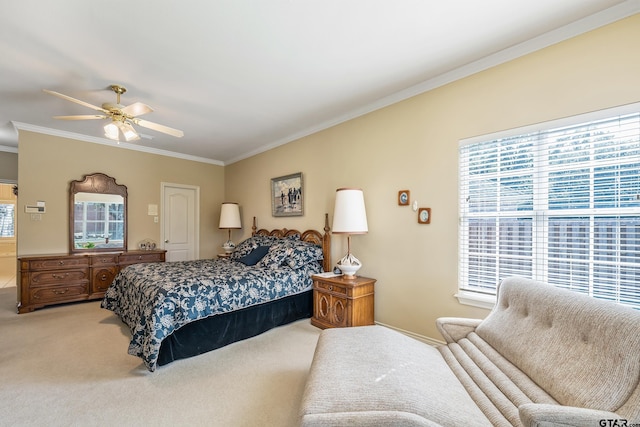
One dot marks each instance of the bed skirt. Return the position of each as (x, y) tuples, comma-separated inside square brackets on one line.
[(217, 331)]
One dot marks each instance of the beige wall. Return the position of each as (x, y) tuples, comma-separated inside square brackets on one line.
[(8, 167), (47, 164), (413, 145)]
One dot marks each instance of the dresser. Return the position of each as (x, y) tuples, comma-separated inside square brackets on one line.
[(54, 279), (340, 302)]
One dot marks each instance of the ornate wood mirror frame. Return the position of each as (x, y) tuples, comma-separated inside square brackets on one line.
[(97, 215)]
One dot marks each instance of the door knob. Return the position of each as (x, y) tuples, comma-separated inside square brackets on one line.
[(166, 241)]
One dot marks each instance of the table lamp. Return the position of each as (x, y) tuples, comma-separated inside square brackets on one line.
[(229, 219), (349, 217)]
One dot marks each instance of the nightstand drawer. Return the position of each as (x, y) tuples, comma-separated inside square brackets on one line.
[(340, 301), (331, 287)]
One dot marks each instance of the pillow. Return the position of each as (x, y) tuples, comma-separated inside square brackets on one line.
[(244, 248), (254, 256), (303, 253), (265, 240), (276, 256)]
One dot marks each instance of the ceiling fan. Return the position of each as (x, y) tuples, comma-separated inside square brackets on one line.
[(122, 117)]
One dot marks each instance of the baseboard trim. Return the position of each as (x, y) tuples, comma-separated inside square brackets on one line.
[(427, 340)]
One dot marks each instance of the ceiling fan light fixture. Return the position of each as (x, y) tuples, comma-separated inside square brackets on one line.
[(122, 118), (128, 131), (111, 131)]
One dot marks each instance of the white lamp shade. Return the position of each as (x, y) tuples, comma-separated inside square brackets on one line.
[(111, 131), (128, 131), (349, 214), (230, 216)]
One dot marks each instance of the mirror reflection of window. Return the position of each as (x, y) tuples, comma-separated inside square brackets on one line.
[(99, 221)]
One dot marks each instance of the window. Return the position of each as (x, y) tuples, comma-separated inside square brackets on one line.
[(7, 219), (558, 202)]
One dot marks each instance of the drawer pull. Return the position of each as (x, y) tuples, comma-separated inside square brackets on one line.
[(103, 277), (60, 262), (330, 287), (59, 276), (139, 257), (105, 260), (60, 291)]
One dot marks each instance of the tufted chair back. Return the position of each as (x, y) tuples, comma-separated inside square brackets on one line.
[(584, 352)]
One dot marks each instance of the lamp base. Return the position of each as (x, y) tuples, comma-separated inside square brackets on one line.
[(349, 265), (228, 246)]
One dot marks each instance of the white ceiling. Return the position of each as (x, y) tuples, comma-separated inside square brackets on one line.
[(242, 76)]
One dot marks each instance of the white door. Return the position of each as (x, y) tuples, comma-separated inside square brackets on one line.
[(180, 221)]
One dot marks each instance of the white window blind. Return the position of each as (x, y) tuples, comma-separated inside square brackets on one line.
[(7, 219), (560, 204)]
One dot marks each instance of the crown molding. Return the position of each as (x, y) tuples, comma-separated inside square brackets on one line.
[(111, 143), (8, 149), (589, 23)]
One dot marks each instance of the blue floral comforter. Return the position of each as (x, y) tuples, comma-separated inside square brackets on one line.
[(158, 298)]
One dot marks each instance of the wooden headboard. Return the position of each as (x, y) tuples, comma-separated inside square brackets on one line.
[(322, 239)]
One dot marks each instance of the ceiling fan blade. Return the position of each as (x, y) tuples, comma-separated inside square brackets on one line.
[(85, 117), (77, 101), (159, 128), (136, 109)]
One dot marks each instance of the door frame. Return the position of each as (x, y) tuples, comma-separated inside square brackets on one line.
[(196, 214)]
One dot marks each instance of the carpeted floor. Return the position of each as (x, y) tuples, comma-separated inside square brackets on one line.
[(68, 366)]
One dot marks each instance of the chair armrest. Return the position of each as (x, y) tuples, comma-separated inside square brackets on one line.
[(543, 415), (456, 328)]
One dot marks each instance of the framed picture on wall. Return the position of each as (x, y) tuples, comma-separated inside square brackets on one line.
[(403, 197), (424, 216), (287, 196)]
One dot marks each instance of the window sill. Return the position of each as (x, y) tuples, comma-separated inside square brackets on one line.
[(476, 300)]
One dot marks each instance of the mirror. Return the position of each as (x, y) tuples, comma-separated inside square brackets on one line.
[(97, 214)]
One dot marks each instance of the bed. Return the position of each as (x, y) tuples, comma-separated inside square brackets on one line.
[(176, 310)]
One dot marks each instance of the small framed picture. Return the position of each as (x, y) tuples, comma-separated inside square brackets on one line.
[(403, 197), (287, 197), (424, 215)]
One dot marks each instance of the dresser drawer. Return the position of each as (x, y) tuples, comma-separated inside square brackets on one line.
[(61, 277), (100, 260), (102, 278), (64, 293), (58, 263), (137, 258), (331, 287)]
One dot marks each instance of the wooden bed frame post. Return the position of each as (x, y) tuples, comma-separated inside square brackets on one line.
[(326, 244)]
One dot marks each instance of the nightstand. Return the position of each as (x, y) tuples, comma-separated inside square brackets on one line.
[(339, 302)]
